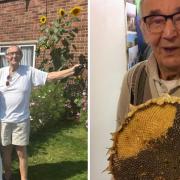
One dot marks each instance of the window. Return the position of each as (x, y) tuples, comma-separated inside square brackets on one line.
[(2, 56), (28, 55)]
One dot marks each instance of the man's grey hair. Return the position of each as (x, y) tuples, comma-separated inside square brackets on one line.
[(19, 49)]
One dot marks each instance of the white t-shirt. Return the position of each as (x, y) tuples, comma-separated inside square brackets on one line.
[(14, 99)]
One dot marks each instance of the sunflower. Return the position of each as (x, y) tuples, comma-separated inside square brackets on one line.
[(43, 19), (75, 11), (61, 12)]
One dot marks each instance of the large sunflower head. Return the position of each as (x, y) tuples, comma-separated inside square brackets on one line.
[(43, 19), (61, 12), (75, 11)]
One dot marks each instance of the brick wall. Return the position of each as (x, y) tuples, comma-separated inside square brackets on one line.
[(19, 20)]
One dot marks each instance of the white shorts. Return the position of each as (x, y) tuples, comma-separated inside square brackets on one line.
[(15, 133)]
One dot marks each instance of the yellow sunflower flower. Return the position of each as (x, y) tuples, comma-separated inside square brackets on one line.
[(43, 19), (75, 11), (61, 12)]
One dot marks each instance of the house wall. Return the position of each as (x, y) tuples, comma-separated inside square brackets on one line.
[(20, 20)]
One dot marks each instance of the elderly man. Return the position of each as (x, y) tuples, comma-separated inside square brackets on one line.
[(160, 24), (16, 82)]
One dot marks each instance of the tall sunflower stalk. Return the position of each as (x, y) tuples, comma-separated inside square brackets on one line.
[(57, 37)]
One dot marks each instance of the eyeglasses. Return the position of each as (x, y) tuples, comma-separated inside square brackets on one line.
[(8, 80), (13, 53), (156, 23)]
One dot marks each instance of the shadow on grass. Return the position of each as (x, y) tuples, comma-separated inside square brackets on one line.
[(56, 171), (41, 136)]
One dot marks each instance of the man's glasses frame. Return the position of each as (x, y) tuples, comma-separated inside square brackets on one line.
[(13, 53), (158, 27)]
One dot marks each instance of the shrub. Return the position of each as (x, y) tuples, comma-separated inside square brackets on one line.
[(47, 106)]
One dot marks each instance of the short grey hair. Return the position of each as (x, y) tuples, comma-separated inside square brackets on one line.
[(19, 49)]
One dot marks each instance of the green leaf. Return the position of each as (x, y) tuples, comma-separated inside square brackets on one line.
[(75, 19), (56, 30), (42, 41), (78, 102), (51, 31), (56, 23), (68, 23), (75, 30), (62, 30), (42, 38), (63, 59), (55, 38), (48, 45), (46, 30)]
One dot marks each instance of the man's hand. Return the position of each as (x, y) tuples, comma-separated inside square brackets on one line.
[(78, 68)]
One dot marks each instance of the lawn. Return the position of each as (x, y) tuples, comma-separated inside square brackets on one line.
[(57, 153)]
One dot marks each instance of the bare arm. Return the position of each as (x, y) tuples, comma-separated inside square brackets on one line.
[(61, 74)]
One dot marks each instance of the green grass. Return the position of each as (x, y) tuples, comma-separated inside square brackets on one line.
[(57, 153)]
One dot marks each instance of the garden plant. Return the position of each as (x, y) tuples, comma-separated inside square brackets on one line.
[(66, 98)]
